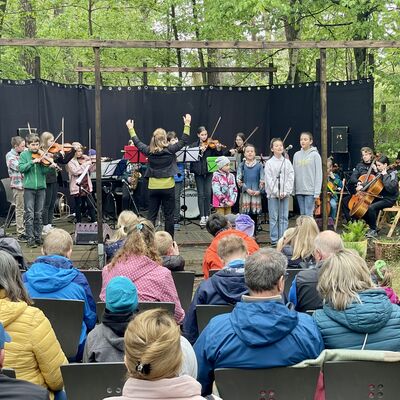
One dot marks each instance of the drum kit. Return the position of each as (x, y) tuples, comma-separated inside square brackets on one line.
[(188, 198)]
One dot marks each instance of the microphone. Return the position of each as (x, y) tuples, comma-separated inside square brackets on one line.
[(290, 147)]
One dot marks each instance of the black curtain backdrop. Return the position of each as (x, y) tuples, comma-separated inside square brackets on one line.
[(274, 109)]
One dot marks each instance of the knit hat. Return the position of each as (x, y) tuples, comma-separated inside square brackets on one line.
[(222, 161), (121, 295), (231, 218), (4, 337), (245, 224)]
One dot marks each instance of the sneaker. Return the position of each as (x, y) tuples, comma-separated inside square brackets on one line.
[(38, 241), (31, 243), (22, 238), (372, 233), (203, 221), (177, 227)]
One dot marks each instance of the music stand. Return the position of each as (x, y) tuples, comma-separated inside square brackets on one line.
[(88, 194), (187, 155)]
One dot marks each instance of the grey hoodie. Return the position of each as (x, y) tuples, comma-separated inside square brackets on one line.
[(307, 172)]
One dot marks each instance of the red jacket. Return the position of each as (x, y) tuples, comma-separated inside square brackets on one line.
[(211, 259)]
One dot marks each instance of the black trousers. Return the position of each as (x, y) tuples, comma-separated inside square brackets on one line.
[(373, 210), (166, 199), (51, 197), (80, 201)]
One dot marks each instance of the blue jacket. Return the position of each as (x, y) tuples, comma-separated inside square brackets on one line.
[(259, 334), (348, 329), (224, 287), (54, 277)]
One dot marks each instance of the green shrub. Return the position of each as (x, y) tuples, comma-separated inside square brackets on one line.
[(354, 231)]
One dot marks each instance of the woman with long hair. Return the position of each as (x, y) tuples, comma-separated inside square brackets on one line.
[(161, 170), (142, 265), (356, 314), (34, 351)]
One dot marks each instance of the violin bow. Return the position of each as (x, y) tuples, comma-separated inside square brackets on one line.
[(251, 134), (62, 132), (215, 128), (287, 134)]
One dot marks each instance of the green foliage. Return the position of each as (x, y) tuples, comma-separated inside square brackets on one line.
[(354, 231)]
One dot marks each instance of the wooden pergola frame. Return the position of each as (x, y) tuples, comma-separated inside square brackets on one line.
[(97, 45)]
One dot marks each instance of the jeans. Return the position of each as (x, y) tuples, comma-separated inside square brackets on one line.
[(334, 205), (178, 192), (51, 197), (79, 202), (373, 210), (278, 228), (34, 202), (166, 199), (306, 204), (18, 197), (203, 184)]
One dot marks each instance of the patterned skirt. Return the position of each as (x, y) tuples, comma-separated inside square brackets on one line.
[(250, 204)]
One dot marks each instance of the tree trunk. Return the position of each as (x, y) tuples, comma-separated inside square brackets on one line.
[(197, 33), (176, 37), (28, 24), (3, 6), (214, 78)]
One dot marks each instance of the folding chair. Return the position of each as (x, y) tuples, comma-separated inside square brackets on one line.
[(359, 380), (94, 279), (184, 281), (66, 318), (382, 215), (284, 383), (8, 372), (10, 198), (93, 381), (204, 313)]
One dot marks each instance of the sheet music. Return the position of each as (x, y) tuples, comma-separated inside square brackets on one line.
[(192, 154), (85, 171)]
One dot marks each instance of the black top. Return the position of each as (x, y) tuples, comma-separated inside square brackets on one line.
[(51, 176), (308, 297), (200, 167), (15, 389)]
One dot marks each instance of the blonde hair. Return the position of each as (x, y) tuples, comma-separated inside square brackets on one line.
[(302, 238), (126, 220), (231, 245), (57, 241), (383, 275), (342, 276), (281, 242), (153, 346), (159, 141), (148, 233), (163, 242), (45, 137)]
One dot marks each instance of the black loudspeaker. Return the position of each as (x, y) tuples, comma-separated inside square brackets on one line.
[(86, 233), (339, 139), (25, 131)]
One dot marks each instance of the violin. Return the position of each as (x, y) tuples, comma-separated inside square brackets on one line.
[(58, 148), (318, 207), (45, 159), (85, 158), (212, 144)]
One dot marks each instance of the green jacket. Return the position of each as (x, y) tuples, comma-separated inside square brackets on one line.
[(34, 174)]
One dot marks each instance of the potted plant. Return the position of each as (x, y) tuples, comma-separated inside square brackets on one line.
[(353, 237)]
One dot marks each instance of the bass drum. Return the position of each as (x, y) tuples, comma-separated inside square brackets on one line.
[(189, 203)]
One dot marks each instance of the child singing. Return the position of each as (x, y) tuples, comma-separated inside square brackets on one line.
[(279, 180), (223, 187)]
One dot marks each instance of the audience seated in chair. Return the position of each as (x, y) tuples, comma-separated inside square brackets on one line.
[(298, 245), (34, 351), (16, 389), (224, 287), (125, 220), (356, 314), (218, 226), (153, 357), (382, 276), (169, 251), (139, 261), (303, 292), (260, 332), (53, 276)]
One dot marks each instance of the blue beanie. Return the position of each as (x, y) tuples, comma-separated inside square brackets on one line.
[(121, 295)]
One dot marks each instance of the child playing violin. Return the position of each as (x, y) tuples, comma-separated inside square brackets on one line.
[(82, 190), (46, 142), (334, 186)]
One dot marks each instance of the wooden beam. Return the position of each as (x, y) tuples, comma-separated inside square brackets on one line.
[(37, 67), (145, 69), (197, 44), (324, 137)]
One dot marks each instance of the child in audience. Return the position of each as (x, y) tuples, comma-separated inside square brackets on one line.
[(105, 343), (250, 178), (16, 180), (34, 184), (126, 220), (34, 351), (53, 276), (224, 287), (382, 275), (279, 181), (169, 251), (223, 187), (153, 357)]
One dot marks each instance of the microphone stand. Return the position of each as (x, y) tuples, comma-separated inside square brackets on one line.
[(131, 196), (280, 233)]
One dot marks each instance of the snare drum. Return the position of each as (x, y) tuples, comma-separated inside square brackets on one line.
[(189, 198)]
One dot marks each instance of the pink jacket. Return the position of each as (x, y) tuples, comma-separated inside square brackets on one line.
[(153, 282), (180, 388), (75, 170), (224, 189)]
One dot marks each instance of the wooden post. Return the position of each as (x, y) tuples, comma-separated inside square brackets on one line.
[(318, 70), (37, 67), (324, 137), (80, 73), (145, 81), (99, 193), (271, 74), (208, 73)]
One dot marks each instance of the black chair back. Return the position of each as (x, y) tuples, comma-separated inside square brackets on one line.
[(204, 312), (291, 273), (284, 383), (8, 372), (143, 306), (66, 318), (184, 281), (93, 381), (94, 279), (211, 272), (359, 380)]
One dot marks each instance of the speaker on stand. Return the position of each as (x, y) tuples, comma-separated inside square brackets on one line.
[(340, 146)]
